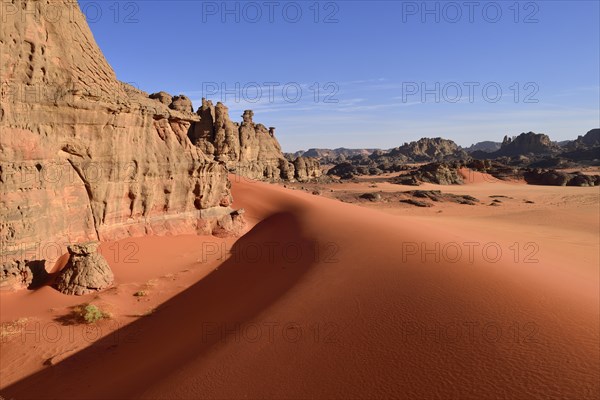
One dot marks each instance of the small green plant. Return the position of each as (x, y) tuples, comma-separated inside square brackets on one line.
[(90, 313)]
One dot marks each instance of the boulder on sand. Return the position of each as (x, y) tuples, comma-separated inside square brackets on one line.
[(86, 271)]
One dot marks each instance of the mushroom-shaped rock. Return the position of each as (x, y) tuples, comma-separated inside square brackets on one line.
[(182, 103), (86, 271)]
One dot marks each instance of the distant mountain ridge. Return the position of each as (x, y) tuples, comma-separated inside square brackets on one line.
[(330, 154), (529, 149), (486, 146)]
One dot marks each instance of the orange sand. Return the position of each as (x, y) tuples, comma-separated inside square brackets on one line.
[(323, 299)]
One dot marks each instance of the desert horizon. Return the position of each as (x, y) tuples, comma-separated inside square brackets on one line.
[(299, 200)]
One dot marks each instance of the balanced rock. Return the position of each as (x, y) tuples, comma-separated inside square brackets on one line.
[(86, 271)]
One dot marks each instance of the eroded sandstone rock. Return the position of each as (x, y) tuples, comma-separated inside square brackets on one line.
[(163, 97), (87, 271), (182, 103), (230, 223), (526, 143), (306, 169), (15, 275), (84, 156), (247, 149), (557, 178)]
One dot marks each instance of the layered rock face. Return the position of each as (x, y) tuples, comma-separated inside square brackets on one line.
[(84, 156), (247, 149)]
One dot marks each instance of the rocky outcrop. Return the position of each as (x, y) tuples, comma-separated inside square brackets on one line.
[(485, 147), (395, 160), (163, 97), (438, 173), (441, 174), (21, 274), (306, 169), (84, 156), (527, 143), (496, 169), (429, 150), (328, 156), (590, 140), (234, 222), (584, 149), (247, 149), (375, 197), (86, 271), (534, 176), (182, 103), (439, 196), (557, 178), (14, 275)]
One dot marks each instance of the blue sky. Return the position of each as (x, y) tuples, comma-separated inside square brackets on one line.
[(368, 73)]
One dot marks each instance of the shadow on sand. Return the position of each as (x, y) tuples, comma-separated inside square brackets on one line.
[(182, 329)]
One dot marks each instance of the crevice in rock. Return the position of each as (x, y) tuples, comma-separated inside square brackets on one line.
[(88, 190)]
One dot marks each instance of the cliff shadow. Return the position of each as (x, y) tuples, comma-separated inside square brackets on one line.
[(124, 363)]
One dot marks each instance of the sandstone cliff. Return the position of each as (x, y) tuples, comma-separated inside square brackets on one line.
[(84, 156)]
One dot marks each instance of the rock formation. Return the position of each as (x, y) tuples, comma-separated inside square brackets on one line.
[(534, 176), (557, 178), (306, 168), (395, 160), (589, 140), (86, 271), (163, 97), (181, 103), (247, 149), (84, 156), (585, 148), (429, 150), (485, 147), (330, 156), (527, 143), (438, 173), (21, 274)]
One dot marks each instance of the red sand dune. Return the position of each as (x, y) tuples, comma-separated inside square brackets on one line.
[(322, 299)]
